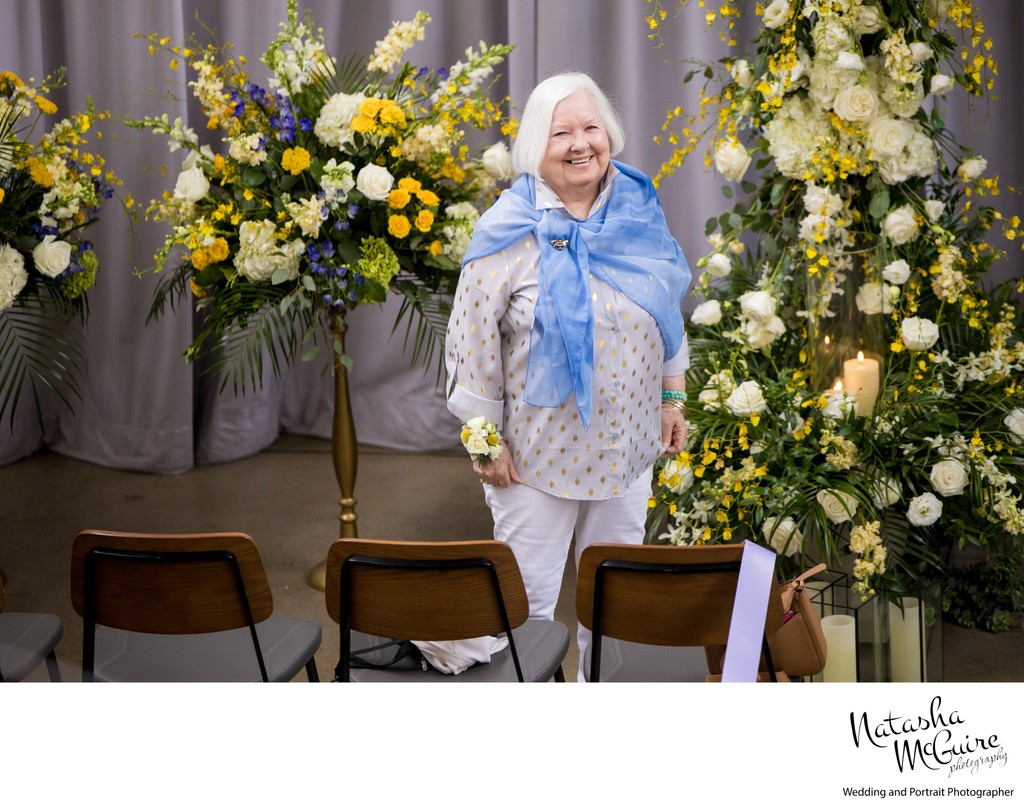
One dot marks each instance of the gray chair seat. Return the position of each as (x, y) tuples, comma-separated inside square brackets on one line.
[(221, 656), (623, 661), (27, 640), (542, 645)]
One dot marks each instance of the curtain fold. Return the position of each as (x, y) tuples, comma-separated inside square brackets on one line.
[(143, 407)]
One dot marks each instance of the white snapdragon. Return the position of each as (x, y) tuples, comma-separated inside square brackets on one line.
[(250, 150), (389, 51), (337, 180), (308, 215)]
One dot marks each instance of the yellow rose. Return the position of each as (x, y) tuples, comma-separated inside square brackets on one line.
[(392, 114), (399, 198), (371, 106), (409, 184), (436, 248), (424, 219), (200, 259), (218, 251), (399, 226), (428, 198)]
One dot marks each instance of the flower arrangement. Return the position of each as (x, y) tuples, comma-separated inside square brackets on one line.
[(852, 199), (51, 189), (481, 439), (329, 187)]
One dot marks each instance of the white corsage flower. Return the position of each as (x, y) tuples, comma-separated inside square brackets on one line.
[(481, 439)]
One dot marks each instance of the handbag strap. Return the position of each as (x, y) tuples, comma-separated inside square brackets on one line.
[(801, 579)]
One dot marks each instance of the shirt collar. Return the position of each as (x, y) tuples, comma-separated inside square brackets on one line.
[(548, 199)]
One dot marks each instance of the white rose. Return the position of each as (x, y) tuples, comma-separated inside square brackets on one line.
[(920, 52), (940, 84), (192, 185), (838, 506), (13, 276), (759, 333), (934, 209), (732, 160), (856, 103), (848, 60), (777, 13), (758, 305), (919, 333), (52, 256), (719, 265), (478, 445), (900, 226), (782, 535), (889, 136), (898, 272), (678, 477), (872, 299), (972, 168), (498, 161), (1014, 421), (867, 20), (885, 491), (746, 399), (741, 73), (924, 510), (707, 313), (374, 182), (949, 477)]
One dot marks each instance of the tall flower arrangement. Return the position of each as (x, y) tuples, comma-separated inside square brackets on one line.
[(850, 191), (324, 190), (52, 187)]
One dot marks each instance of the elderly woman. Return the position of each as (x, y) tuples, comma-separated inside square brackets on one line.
[(567, 335)]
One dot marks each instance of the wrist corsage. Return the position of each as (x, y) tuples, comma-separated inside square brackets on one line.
[(481, 439)]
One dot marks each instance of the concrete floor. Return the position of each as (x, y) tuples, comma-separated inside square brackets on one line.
[(285, 498)]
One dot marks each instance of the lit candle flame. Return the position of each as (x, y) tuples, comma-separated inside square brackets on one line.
[(838, 386), (860, 355)]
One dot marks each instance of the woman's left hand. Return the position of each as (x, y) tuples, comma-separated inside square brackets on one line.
[(673, 431)]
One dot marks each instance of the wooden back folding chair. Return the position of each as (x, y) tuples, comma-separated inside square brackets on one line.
[(421, 590), (183, 608), (653, 609), (27, 640)]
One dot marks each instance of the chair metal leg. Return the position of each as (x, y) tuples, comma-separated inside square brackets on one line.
[(52, 667), (311, 672), (559, 674)]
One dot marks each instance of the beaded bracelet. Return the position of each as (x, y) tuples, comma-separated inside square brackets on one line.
[(677, 395)]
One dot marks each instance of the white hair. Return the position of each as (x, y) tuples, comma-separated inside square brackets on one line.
[(535, 126)]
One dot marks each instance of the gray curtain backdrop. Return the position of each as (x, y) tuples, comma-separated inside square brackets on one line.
[(145, 409)]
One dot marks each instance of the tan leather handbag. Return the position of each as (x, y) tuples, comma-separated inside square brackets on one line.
[(799, 647)]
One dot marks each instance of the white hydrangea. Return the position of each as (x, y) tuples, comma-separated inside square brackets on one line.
[(333, 126), (261, 252), (13, 276)]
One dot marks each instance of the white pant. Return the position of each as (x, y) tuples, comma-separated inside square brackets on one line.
[(539, 527)]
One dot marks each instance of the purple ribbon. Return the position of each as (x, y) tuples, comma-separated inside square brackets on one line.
[(746, 628)]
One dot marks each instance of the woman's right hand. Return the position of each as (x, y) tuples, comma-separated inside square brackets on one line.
[(501, 472)]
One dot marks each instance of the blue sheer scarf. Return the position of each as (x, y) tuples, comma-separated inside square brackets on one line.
[(626, 244)]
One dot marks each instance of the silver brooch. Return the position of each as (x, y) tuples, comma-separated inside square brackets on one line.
[(559, 243)]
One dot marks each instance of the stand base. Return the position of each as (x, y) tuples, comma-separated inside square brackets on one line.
[(318, 577)]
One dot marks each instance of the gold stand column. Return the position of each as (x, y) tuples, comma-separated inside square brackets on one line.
[(344, 449)]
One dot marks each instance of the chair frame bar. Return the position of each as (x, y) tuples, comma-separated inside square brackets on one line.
[(95, 554), (342, 672), (655, 568)]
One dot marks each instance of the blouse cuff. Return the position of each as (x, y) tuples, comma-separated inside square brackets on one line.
[(464, 405), (678, 364)]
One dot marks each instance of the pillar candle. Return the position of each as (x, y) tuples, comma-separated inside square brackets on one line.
[(841, 641), (905, 641), (862, 379)]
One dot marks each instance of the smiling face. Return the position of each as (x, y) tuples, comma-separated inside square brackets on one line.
[(577, 153)]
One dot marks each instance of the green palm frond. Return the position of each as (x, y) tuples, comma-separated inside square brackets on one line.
[(426, 316), (42, 345)]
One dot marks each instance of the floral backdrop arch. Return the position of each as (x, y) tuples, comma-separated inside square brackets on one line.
[(858, 376)]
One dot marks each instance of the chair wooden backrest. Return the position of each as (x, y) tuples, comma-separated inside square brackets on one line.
[(163, 583), (423, 590), (663, 595), (3, 597)]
